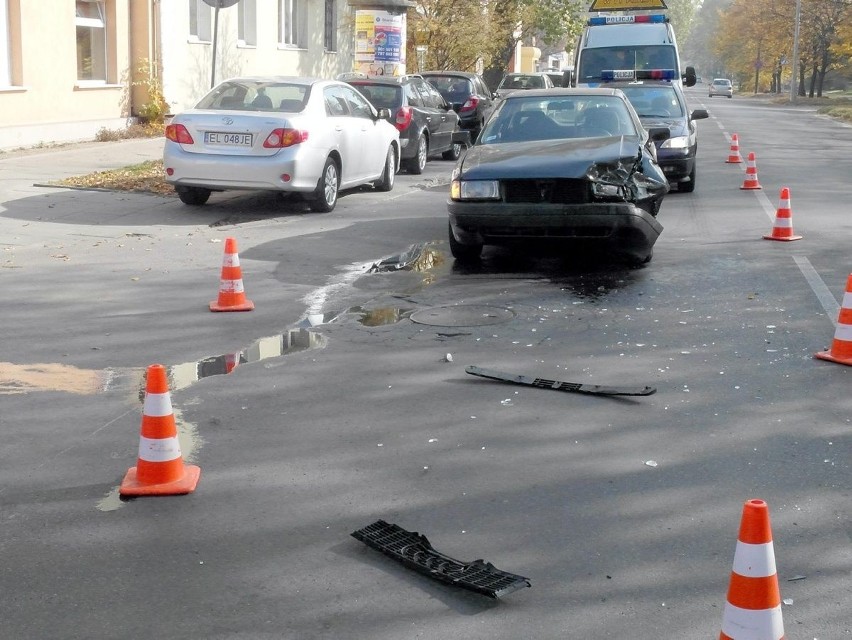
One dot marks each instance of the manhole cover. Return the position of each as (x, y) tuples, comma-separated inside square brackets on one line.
[(462, 315)]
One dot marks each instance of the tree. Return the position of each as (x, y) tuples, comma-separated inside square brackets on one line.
[(460, 34)]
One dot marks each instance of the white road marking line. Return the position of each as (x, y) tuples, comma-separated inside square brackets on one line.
[(821, 291)]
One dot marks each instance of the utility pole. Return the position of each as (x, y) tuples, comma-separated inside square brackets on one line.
[(794, 65)]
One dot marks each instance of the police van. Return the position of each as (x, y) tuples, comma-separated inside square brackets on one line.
[(629, 42)]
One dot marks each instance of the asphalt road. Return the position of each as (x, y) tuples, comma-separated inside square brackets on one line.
[(345, 409)]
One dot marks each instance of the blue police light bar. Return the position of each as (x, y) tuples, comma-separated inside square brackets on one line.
[(656, 18), (615, 75), (655, 74)]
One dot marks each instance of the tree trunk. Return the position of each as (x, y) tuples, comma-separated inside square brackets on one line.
[(813, 81)]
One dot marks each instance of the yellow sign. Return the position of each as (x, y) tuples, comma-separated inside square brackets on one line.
[(626, 5)]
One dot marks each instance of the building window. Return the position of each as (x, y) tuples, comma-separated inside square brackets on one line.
[(90, 21), (329, 37), (247, 22), (291, 23), (200, 28)]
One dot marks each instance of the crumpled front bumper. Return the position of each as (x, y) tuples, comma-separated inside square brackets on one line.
[(621, 227)]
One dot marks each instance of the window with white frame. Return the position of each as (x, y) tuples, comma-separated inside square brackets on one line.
[(247, 22), (90, 22), (291, 23), (329, 36), (5, 46), (200, 28)]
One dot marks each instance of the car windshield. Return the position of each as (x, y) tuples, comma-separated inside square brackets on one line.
[(453, 88), (594, 61), (521, 119), (654, 101), (521, 82), (256, 95), (383, 96)]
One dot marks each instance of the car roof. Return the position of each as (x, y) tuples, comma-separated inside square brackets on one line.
[(389, 80), (560, 91), (465, 74), (306, 80)]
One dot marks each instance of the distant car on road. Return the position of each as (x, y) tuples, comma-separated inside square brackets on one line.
[(426, 121), (720, 87), (574, 166), (467, 92), (523, 81), (302, 135), (661, 103)]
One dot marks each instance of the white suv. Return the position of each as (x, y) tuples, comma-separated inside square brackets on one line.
[(721, 87)]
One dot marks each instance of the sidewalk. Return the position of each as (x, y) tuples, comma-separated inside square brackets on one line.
[(20, 170)]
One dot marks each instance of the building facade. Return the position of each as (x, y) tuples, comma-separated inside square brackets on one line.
[(69, 68)]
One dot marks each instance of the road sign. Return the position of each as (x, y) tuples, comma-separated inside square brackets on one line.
[(626, 5)]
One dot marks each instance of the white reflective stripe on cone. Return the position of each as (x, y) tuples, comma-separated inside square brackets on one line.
[(232, 286), (159, 449), (231, 260), (847, 300), (781, 223), (754, 560), (843, 332), (157, 405), (746, 624)]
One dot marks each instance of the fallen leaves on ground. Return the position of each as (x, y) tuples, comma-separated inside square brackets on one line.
[(146, 177)]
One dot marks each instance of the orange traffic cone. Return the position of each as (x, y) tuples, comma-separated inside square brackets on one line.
[(159, 469), (783, 228), (750, 181), (232, 295), (753, 607), (734, 156), (841, 347)]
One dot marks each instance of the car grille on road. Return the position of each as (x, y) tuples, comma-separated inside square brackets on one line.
[(414, 551), (555, 191)]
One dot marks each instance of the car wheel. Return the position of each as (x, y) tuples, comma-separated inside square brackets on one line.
[(729, 97), (325, 196), (416, 164), (688, 187), (195, 196), (452, 153), (464, 252), (386, 183)]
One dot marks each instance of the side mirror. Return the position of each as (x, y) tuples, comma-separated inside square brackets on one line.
[(699, 114), (658, 134), (689, 78)]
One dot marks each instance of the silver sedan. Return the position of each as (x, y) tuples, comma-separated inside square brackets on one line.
[(302, 135)]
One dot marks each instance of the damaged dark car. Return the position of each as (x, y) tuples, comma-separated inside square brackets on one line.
[(573, 167)]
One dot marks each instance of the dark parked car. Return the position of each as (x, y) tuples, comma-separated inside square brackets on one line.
[(662, 104), (467, 92), (426, 122), (574, 166)]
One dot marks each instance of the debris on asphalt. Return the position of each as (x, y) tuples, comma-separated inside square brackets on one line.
[(415, 552), (650, 463), (542, 383)]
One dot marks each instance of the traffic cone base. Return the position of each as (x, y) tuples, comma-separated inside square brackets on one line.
[(751, 181), (841, 346), (753, 606), (232, 295), (782, 229), (159, 469), (131, 486)]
